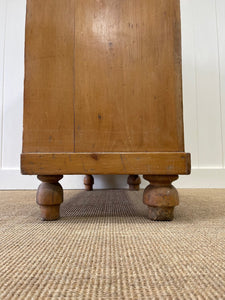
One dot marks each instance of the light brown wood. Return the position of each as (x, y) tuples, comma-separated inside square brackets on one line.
[(49, 197), (103, 76), (166, 163), (128, 76), (161, 197), (134, 182), (49, 77)]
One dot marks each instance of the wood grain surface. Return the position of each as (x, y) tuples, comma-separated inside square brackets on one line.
[(49, 76), (103, 75), (167, 163), (128, 76)]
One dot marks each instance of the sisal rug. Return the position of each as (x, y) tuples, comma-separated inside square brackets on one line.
[(104, 247)]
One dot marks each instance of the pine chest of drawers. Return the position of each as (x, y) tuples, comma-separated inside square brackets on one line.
[(103, 95)]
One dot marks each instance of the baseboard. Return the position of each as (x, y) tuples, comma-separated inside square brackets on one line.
[(11, 179)]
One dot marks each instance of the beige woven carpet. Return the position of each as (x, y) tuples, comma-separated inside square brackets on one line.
[(104, 247)]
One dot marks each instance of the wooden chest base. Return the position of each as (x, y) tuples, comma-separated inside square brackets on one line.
[(160, 169)]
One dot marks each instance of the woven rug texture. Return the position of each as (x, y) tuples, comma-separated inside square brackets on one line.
[(104, 247)]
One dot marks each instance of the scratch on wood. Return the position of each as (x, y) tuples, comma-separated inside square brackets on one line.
[(124, 167)]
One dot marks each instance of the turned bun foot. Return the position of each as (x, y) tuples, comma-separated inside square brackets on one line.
[(50, 212), (88, 182), (49, 197), (134, 182), (161, 197), (161, 213)]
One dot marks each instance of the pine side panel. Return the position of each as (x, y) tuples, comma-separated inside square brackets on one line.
[(49, 76), (128, 76)]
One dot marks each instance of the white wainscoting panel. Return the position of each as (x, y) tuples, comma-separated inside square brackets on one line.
[(203, 47), (220, 15), (2, 66)]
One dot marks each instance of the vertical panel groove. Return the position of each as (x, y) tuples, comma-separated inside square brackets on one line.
[(221, 70), (207, 73), (13, 84), (196, 95), (219, 64), (3, 83), (197, 110), (189, 81)]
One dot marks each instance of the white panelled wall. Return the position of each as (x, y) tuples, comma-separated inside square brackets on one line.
[(203, 39)]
